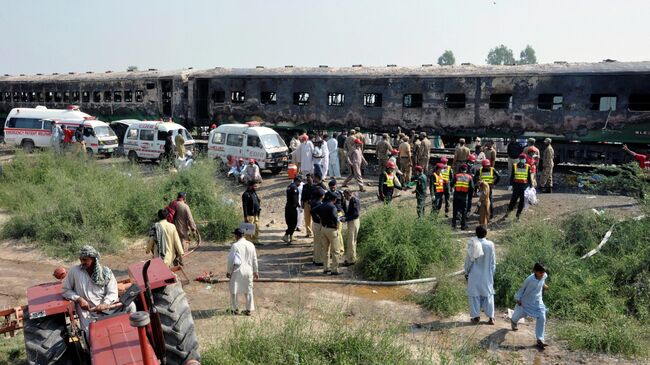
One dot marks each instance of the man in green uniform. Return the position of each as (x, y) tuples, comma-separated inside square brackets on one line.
[(420, 189)]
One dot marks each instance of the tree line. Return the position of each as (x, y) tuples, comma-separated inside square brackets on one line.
[(499, 55)]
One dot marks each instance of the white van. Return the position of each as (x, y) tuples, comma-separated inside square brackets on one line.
[(234, 141), (31, 128), (146, 140)]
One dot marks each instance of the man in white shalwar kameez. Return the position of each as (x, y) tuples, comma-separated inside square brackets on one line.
[(305, 155), (325, 162), (480, 264), (333, 167), (242, 269)]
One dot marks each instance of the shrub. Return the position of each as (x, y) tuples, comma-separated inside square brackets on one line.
[(628, 180), (395, 245), (63, 202), (619, 335), (447, 299), (12, 350)]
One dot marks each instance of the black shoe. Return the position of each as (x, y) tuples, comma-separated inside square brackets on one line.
[(513, 326), (475, 320), (247, 312), (541, 344), (327, 272), (319, 264), (491, 322), (336, 273)]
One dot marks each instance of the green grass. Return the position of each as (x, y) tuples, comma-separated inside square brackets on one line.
[(448, 297), (63, 202), (12, 350), (395, 245)]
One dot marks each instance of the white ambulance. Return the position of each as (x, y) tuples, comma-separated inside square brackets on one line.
[(31, 128), (229, 142), (146, 139)]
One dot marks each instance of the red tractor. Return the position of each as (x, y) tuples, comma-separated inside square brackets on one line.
[(161, 332)]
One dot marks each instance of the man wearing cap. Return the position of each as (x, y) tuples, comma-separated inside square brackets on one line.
[(388, 182), (514, 150), (489, 175), (447, 174), (463, 185), (436, 188), (394, 157), (420, 189), (349, 142), (461, 154), (532, 154), (252, 208), (305, 155), (330, 240), (357, 162), (316, 202), (423, 154), (339, 207), (251, 173), (490, 152), (530, 302), (383, 149), (164, 241), (183, 219), (520, 179), (242, 270), (352, 209), (305, 202), (91, 285), (291, 209), (548, 156), (405, 158), (333, 166)]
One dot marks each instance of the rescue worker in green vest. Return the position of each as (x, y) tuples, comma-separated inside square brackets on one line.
[(388, 182), (520, 179), (490, 175), (437, 188), (447, 174), (463, 185), (420, 189)]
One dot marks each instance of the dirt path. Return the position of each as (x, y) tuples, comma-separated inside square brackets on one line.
[(21, 266)]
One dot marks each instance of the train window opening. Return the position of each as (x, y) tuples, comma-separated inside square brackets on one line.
[(108, 96), (639, 103), (151, 85), (412, 101), (117, 96), (501, 101), (335, 99), (58, 97), (238, 97), (372, 100), (7, 96), (23, 96), (603, 102), (39, 96), (2, 97), (202, 100), (75, 96), (550, 101), (49, 96), (455, 101), (301, 98), (16, 97), (97, 96), (218, 96), (268, 97), (66, 96), (32, 96), (128, 96), (139, 96), (85, 97)]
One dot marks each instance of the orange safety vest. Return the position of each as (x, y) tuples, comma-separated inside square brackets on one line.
[(439, 183), (462, 183), (445, 173), (521, 174), (488, 176)]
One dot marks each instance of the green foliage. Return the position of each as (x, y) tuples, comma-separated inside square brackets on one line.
[(63, 202), (12, 350), (500, 55), (447, 299), (527, 56), (628, 180), (607, 290), (447, 58), (396, 245), (296, 341)]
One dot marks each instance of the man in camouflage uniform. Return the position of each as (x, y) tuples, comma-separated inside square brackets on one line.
[(547, 167), (423, 153), (383, 148)]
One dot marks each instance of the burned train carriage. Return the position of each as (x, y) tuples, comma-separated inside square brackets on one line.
[(596, 102)]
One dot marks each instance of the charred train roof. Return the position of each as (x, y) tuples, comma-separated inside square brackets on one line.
[(561, 69)]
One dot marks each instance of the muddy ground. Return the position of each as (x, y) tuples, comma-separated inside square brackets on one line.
[(21, 265)]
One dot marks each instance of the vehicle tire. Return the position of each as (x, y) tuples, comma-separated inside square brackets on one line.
[(133, 157), (89, 152), (276, 170), (28, 146), (44, 340), (177, 324)]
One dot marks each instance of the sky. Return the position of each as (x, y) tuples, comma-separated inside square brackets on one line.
[(87, 35)]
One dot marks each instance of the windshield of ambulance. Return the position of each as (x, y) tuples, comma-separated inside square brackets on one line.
[(104, 132), (272, 141)]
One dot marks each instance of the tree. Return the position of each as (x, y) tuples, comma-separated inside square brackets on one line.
[(527, 56), (500, 55), (132, 68), (447, 59)]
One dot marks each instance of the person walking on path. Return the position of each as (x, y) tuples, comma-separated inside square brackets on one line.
[(546, 182), (480, 265), (491, 176), (183, 219), (388, 182), (291, 210), (423, 153), (437, 188), (252, 208), (164, 241), (331, 243), (383, 149), (485, 203), (530, 302), (420, 189), (405, 158), (447, 176), (463, 185), (352, 209), (520, 179), (242, 270), (461, 154), (356, 163), (514, 150), (333, 168)]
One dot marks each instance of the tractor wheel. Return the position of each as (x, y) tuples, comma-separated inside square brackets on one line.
[(177, 324), (44, 340), (276, 170)]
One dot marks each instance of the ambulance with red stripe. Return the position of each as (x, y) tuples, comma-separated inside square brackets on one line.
[(31, 128), (146, 139)]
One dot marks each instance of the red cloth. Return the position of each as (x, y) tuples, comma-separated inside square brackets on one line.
[(171, 209), (67, 135), (643, 160)]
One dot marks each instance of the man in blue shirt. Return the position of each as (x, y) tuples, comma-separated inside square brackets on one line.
[(530, 303)]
